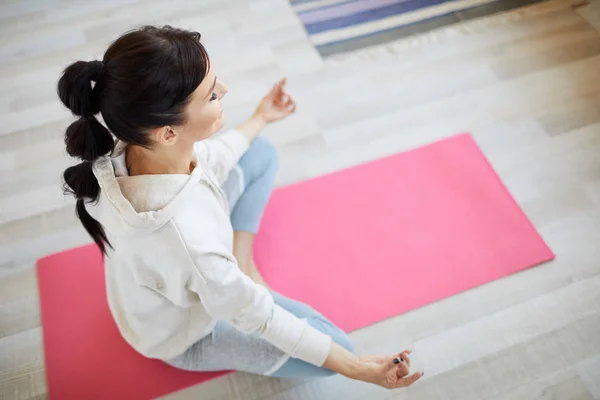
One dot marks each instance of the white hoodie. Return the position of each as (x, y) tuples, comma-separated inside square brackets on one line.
[(172, 273)]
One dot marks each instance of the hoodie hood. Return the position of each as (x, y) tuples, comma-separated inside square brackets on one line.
[(130, 205)]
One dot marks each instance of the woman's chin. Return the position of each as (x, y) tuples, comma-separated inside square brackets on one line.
[(218, 125)]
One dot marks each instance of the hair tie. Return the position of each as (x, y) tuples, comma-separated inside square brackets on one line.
[(96, 69)]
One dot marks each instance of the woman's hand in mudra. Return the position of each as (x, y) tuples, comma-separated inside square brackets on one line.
[(385, 372), (276, 105)]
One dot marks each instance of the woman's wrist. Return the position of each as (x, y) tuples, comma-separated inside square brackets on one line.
[(344, 362), (260, 118)]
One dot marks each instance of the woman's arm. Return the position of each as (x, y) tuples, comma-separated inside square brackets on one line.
[(252, 127), (228, 294), (343, 362)]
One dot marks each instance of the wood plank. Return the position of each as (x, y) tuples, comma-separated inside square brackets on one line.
[(498, 101), (589, 372), (571, 116), (20, 140), (490, 334), (16, 47), (32, 117), (585, 43), (200, 16), (292, 154), (17, 253), (236, 386), (591, 12), (26, 204), (33, 172), (561, 384), (28, 228), (22, 368), (20, 302), (499, 373)]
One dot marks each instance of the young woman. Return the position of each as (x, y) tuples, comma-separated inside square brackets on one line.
[(175, 211)]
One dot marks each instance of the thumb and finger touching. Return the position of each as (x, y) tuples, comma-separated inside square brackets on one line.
[(400, 364)]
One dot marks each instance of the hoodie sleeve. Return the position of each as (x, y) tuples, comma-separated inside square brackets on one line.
[(222, 152), (228, 294)]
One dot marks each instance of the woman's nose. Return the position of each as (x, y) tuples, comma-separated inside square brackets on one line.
[(222, 89)]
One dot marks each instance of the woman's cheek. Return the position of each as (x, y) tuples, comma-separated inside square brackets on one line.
[(217, 123), (218, 111)]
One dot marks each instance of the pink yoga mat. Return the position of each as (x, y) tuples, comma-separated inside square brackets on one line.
[(433, 221)]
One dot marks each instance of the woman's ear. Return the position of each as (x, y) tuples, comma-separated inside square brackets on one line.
[(165, 135)]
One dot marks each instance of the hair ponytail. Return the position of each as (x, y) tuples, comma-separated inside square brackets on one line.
[(86, 139)]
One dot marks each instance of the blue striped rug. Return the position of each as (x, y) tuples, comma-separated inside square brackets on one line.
[(337, 26)]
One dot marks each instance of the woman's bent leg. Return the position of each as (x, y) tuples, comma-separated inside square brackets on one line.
[(259, 168), (229, 349), (256, 174)]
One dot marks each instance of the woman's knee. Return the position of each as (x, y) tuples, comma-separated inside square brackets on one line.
[(337, 335), (265, 150)]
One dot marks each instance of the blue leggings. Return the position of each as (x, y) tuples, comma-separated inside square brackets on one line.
[(249, 188), (250, 184), (295, 368)]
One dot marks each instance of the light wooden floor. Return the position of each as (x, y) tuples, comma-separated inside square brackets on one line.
[(526, 84)]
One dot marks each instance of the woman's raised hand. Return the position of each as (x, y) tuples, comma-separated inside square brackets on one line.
[(276, 105)]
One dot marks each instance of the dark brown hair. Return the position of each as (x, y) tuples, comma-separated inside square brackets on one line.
[(144, 81)]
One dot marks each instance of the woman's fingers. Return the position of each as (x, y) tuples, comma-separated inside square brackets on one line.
[(290, 104), (404, 382), (279, 87), (286, 103), (281, 83), (404, 364), (393, 362), (280, 98), (405, 356), (276, 92), (402, 370)]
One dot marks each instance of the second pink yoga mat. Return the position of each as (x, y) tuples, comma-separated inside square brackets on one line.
[(415, 227)]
